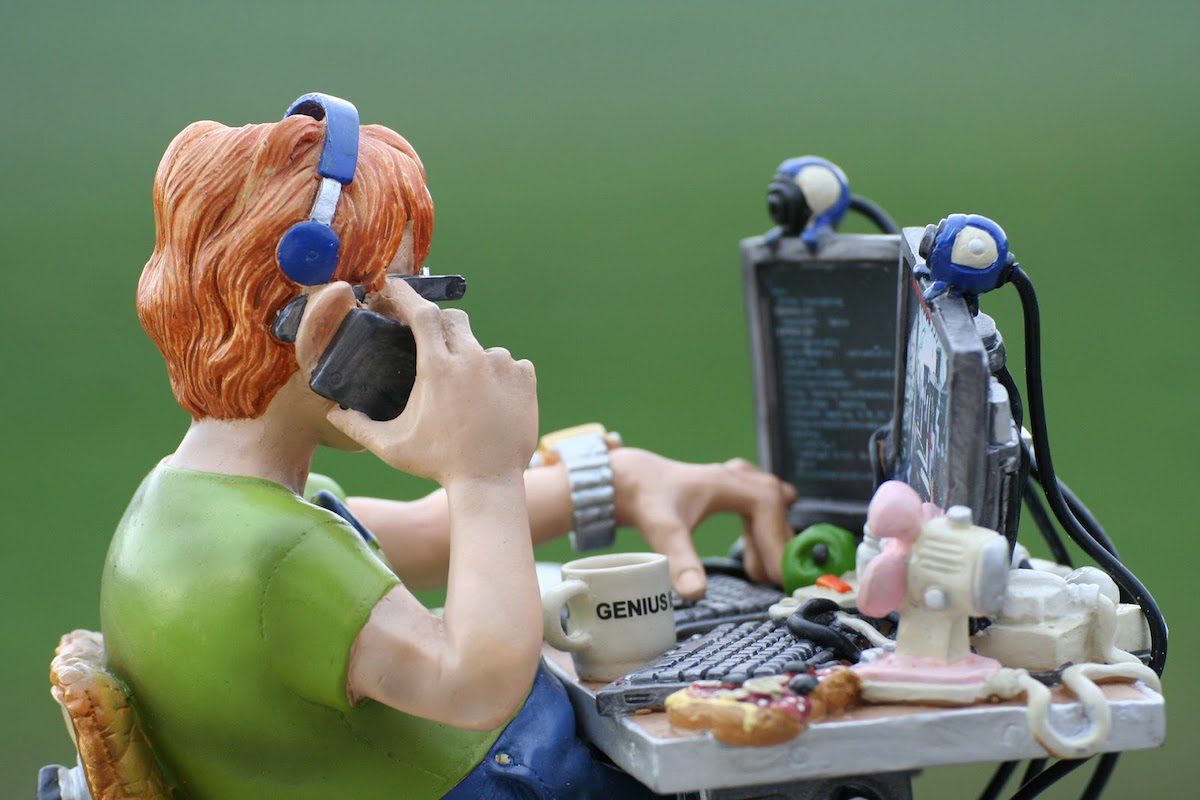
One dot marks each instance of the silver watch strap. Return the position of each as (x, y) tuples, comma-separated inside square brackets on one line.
[(590, 476)]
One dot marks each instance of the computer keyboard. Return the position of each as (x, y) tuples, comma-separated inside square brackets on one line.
[(728, 599), (730, 652)]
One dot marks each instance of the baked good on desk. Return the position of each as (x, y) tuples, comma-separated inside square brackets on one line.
[(762, 711)]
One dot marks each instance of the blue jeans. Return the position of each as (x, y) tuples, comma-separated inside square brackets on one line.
[(539, 757)]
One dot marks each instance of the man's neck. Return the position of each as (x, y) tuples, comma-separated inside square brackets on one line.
[(268, 447)]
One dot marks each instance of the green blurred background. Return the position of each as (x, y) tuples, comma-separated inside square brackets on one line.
[(594, 166)]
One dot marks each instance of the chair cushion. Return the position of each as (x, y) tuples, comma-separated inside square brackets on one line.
[(116, 756)]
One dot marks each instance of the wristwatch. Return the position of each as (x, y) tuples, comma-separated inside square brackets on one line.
[(584, 451)]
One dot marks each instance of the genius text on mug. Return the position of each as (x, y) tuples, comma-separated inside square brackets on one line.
[(623, 609)]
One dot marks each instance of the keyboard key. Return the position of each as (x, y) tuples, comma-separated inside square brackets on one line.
[(727, 596)]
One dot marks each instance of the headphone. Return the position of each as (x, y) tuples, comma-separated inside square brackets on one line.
[(308, 252), (792, 210), (967, 253)]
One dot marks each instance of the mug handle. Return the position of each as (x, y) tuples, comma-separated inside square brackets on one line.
[(552, 604)]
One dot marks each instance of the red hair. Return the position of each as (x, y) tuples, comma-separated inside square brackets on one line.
[(223, 198)]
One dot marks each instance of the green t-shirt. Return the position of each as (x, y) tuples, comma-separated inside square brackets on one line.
[(229, 606)]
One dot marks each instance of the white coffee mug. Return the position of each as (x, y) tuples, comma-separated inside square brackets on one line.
[(619, 613)]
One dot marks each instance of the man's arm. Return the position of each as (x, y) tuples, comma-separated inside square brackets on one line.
[(472, 668), (664, 499), (415, 536), (470, 425)]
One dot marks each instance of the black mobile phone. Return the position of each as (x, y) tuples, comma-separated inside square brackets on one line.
[(370, 364)]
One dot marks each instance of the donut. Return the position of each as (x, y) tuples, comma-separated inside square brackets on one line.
[(762, 711)]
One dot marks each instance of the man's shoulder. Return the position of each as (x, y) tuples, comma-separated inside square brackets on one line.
[(191, 496), (239, 525), (200, 545)]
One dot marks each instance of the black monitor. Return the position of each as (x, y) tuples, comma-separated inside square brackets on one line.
[(953, 436), (823, 350)]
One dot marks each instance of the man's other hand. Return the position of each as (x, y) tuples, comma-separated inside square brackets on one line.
[(666, 500)]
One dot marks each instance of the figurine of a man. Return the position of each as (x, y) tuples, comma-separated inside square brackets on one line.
[(272, 651)]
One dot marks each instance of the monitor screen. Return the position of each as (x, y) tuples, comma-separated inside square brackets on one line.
[(823, 332), (924, 434)]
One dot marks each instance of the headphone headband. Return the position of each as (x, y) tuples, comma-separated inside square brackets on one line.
[(339, 157), (308, 252)]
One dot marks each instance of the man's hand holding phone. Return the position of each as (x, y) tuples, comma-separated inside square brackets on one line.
[(473, 412)]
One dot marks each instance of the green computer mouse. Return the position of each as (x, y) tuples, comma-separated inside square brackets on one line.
[(821, 549)]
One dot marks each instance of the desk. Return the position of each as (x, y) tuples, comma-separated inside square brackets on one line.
[(867, 740)]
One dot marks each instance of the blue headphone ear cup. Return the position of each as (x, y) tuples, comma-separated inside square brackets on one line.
[(308, 253)]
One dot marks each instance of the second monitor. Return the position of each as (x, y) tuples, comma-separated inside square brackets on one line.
[(954, 439)]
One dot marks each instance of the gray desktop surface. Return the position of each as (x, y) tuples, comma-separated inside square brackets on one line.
[(869, 739)]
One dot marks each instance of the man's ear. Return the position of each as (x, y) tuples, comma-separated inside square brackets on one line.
[(403, 264), (323, 313)]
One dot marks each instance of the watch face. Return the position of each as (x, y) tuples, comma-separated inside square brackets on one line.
[(591, 444), (552, 440)]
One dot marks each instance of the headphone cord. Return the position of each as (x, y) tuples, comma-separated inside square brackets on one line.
[(1050, 485), (874, 213)]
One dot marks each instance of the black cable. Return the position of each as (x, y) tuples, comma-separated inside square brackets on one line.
[(999, 778), (1012, 519), (1014, 397), (1081, 512), (1058, 550), (1089, 521), (1047, 778), (1036, 765), (1104, 771), (1037, 511), (1058, 504), (813, 622), (1029, 466), (874, 213)]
